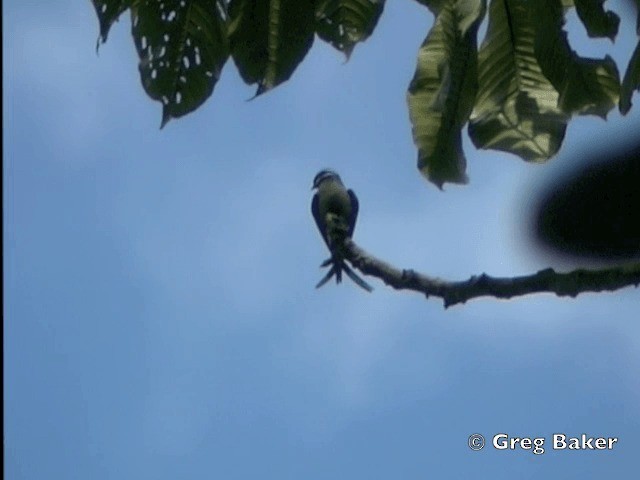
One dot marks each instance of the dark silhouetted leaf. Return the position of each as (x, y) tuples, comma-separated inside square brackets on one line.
[(269, 38), (343, 23), (182, 47), (108, 12), (597, 22), (586, 86), (631, 81)]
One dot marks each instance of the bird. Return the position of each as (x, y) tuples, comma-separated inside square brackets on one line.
[(335, 210)]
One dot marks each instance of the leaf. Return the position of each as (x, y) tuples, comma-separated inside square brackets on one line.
[(590, 87), (586, 86), (343, 23), (442, 91), (269, 38), (434, 6), (631, 81), (182, 47), (597, 22), (108, 12), (516, 107)]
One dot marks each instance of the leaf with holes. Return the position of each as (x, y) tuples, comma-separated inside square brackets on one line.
[(108, 12), (269, 38), (182, 46), (344, 23), (587, 86), (442, 91), (516, 107)]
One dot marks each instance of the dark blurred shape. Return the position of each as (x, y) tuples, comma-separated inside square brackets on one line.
[(595, 211)]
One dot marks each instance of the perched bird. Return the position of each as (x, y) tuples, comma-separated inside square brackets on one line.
[(335, 210)]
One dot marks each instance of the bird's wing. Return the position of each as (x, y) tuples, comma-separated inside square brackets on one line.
[(354, 212), (320, 222)]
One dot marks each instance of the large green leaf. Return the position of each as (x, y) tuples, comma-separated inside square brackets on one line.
[(269, 38), (631, 81), (516, 107), (442, 91), (586, 86), (108, 12), (343, 23), (182, 47), (597, 22)]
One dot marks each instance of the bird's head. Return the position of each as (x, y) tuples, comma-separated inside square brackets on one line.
[(324, 175)]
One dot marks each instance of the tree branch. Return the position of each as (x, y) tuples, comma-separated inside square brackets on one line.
[(562, 284)]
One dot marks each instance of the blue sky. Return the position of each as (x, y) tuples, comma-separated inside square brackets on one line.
[(160, 315)]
